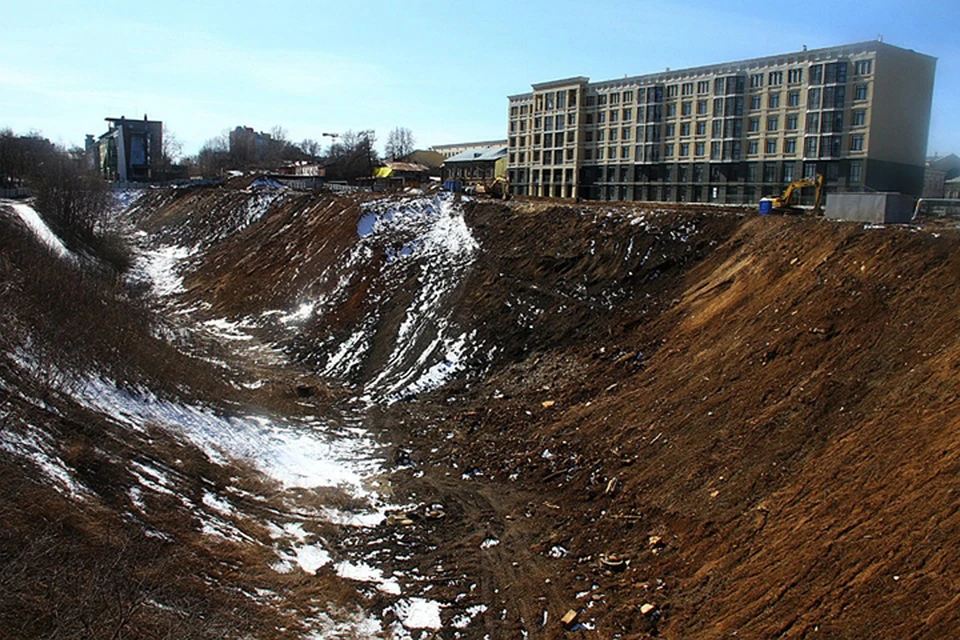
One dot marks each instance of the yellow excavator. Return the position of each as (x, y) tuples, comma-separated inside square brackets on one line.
[(785, 202), (498, 188)]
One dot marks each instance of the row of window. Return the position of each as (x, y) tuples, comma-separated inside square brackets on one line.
[(813, 146), (829, 73), (822, 122), (827, 98), (697, 173)]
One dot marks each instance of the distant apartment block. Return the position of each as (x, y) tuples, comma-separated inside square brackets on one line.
[(450, 150), (859, 114), (130, 150)]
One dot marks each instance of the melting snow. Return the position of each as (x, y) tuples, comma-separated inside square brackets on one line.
[(36, 224), (419, 613)]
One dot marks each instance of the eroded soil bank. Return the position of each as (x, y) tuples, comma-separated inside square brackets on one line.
[(673, 421)]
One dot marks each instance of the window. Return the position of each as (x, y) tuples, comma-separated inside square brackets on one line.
[(771, 146), (718, 85), (625, 133), (523, 141), (714, 150), (571, 119), (548, 139), (813, 99), (699, 149), (856, 142), (703, 86), (625, 153), (770, 173), (685, 129), (523, 125), (513, 111), (588, 154), (860, 92), (813, 122), (628, 96), (701, 107), (810, 170), (670, 130), (536, 155), (687, 89), (672, 91), (795, 76), (684, 150), (614, 98), (856, 172), (602, 99), (756, 80), (788, 172), (537, 123), (772, 123), (569, 153), (613, 115), (512, 158), (753, 125), (588, 136), (570, 136), (627, 114), (686, 108), (774, 101), (753, 148), (548, 123), (668, 151), (863, 67), (792, 121), (613, 135), (601, 117), (701, 128), (793, 99), (790, 146), (775, 78), (816, 74), (718, 106), (572, 97), (754, 102), (671, 109), (600, 135), (716, 128), (810, 147), (561, 99), (549, 98), (559, 121), (558, 156), (859, 118)]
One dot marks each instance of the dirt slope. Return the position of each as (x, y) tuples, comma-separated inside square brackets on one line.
[(683, 422), (788, 429), (771, 401)]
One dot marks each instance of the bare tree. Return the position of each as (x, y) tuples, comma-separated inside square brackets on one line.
[(399, 143)]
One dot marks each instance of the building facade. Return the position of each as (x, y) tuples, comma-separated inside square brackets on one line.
[(859, 114), (475, 167), (130, 150)]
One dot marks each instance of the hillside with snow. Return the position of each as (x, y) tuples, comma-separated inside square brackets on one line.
[(310, 415)]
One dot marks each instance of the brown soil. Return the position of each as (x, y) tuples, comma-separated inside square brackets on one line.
[(759, 415), (751, 424)]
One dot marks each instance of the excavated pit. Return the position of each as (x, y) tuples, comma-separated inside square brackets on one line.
[(678, 421)]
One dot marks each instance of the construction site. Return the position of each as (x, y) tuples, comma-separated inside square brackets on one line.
[(429, 415)]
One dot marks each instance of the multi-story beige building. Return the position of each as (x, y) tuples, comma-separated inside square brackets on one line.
[(859, 114)]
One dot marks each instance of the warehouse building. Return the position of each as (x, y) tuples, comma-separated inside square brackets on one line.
[(859, 114)]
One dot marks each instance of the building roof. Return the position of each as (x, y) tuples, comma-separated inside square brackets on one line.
[(483, 143), (734, 66), (480, 154)]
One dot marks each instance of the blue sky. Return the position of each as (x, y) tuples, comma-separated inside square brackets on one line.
[(441, 68)]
